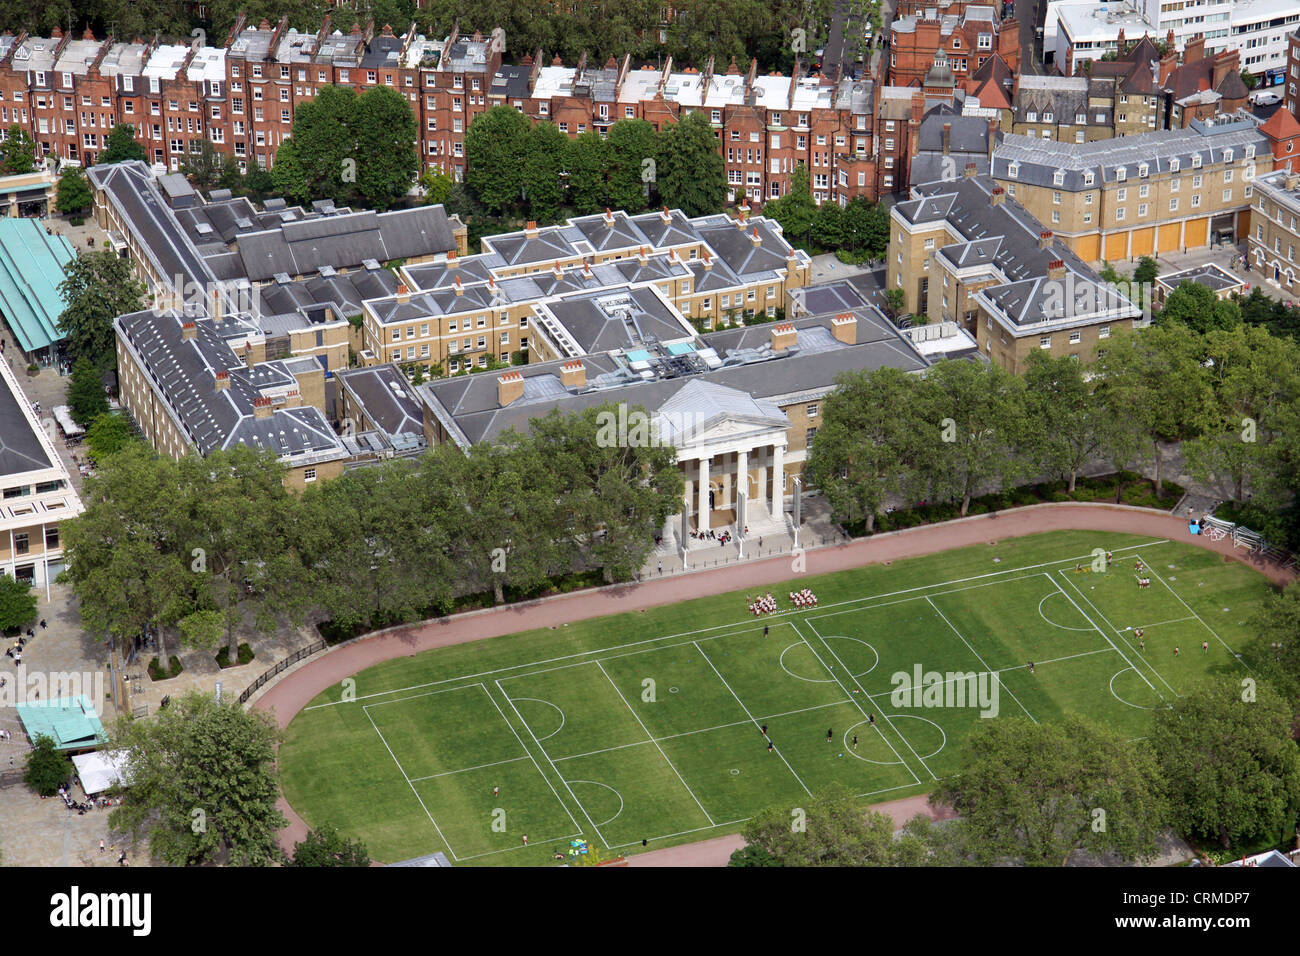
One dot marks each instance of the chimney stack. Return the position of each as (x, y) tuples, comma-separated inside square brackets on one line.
[(1291, 181), (996, 197), (971, 169), (1056, 270), (189, 331), (222, 382), (1045, 239), (573, 374), (947, 137), (262, 407), (510, 386), (845, 328), (755, 238), (403, 293), (609, 217), (453, 260), (459, 286), (783, 336), (530, 230), (667, 216)]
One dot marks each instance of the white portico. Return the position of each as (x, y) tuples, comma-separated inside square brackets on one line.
[(731, 448)]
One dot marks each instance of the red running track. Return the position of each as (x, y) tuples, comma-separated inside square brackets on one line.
[(297, 688)]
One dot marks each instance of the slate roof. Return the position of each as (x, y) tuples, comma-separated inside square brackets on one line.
[(184, 373), (345, 241), (468, 406), (387, 397), (20, 447), (1040, 159), (129, 187)]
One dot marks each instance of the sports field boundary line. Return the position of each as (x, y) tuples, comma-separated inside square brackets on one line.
[(383, 740), (1170, 588), (862, 710), (1120, 635), (979, 657), (734, 624), (702, 730), (1106, 637), (555, 769), (671, 765), (753, 719), (482, 766)]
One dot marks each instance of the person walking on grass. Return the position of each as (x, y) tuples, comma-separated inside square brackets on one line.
[(525, 839), (1205, 646), (763, 730), (855, 741), (871, 719), (830, 735), (1175, 652), (766, 629), (1031, 667), (769, 747)]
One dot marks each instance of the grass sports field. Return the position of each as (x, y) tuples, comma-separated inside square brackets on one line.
[(646, 726)]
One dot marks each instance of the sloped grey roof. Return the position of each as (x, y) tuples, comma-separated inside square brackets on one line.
[(20, 447), (387, 397)]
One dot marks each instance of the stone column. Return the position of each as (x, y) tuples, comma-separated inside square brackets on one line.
[(742, 480), (778, 481), (702, 521)]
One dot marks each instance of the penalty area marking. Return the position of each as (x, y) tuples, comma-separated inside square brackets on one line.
[(810, 680), (1063, 627), (558, 709), (932, 724), (597, 783), (841, 637), (1121, 699)]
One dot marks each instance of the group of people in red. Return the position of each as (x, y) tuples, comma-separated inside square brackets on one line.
[(804, 598), (1142, 582), (763, 605)]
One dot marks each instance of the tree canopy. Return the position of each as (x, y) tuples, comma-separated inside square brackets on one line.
[(98, 287)]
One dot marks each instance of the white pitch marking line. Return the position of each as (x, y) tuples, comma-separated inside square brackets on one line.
[(978, 657), (1104, 635), (859, 706), (744, 624), (637, 717), (751, 717), (1180, 600)]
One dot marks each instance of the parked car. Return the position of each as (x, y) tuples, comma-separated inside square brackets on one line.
[(1265, 98)]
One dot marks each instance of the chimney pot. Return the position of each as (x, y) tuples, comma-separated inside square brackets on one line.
[(510, 387), (783, 336), (573, 374), (845, 328), (1044, 239)]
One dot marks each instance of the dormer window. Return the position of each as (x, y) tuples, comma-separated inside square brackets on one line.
[(1031, 117), (1227, 155), (1174, 165), (1196, 161), (1250, 152), (1121, 174), (1058, 177), (1143, 169), (1047, 117), (1013, 170), (1088, 178)]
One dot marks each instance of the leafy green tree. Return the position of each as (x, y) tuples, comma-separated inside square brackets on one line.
[(545, 149), (288, 176), (1155, 387), (1253, 376), (86, 398), (588, 161), (828, 226), (1031, 793), (374, 542), (865, 447), (325, 846), (17, 152), (47, 767), (1197, 307), (1275, 650), (690, 174), (796, 211), (495, 152), (237, 524), (98, 287), (1260, 309), (436, 185), (126, 562), (73, 195), (977, 428), (384, 148), (120, 145), (206, 166), (1230, 764), (895, 300), (831, 829), (1147, 271), (1072, 424), (203, 783), (616, 492), (108, 434), (750, 855), (17, 603), (631, 143)]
